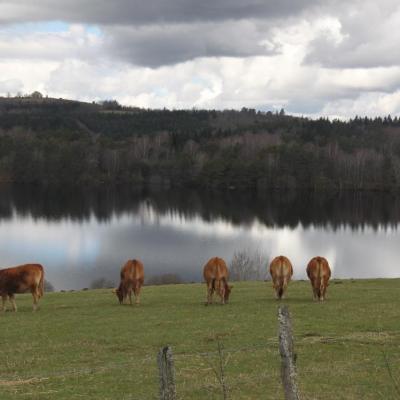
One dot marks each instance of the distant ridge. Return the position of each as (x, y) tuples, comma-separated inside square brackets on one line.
[(46, 140)]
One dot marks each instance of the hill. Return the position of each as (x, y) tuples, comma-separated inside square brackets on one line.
[(85, 345), (48, 141)]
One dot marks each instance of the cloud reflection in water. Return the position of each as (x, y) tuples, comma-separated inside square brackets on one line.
[(77, 251)]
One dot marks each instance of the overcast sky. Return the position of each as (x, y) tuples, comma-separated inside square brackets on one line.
[(312, 57)]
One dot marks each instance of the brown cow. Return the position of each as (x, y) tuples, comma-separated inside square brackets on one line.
[(215, 274), (21, 279), (132, 278), (319, 273), (281, 271)]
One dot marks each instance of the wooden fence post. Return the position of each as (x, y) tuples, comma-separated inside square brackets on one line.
[(288, 368), (167, 374)]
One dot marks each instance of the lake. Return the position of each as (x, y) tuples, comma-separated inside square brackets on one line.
[(80, 235)]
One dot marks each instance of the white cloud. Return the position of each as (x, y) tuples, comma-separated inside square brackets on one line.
[(11, 85), (77, 41), (333, 58), (368, 37), (373, 104), (26, 76)]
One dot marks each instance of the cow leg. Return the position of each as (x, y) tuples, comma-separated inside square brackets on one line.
[(326, 284), (3, 303), (12, 301), (210, 290), (315, 294), (35, 296), (314, 291), (213, 289), (127, 293), (284, 288), (130, 296), (323, 290), (221, 291), (276, 288), (137, 293)]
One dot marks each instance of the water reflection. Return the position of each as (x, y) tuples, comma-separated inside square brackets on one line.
[(81, 235), (278, 209)]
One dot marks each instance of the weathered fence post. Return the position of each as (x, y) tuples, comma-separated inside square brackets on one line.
[(167, 374), (288, 370)]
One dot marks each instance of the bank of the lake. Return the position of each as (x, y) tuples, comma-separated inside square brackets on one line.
[(84, 345)]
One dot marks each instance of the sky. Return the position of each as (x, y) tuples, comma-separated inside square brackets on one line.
[(315, 58)]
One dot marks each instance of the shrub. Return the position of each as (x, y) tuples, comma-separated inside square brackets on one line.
[(48, 286), (102, 283), (164, 279), (247, 265)]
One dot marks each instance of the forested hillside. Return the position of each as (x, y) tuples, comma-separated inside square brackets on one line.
[(60, 141)]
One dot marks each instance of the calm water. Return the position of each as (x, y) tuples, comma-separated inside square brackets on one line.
[(83, 235)]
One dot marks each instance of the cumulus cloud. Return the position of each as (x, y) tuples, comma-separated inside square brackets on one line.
[(77, 41), (10, 86), (138, 12), (373, 104), (312, 57), (368, 37), (160, 32), (156, 45)]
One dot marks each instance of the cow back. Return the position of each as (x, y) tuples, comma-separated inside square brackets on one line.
[(21, 279), (132, 270), (317, 269), (281, 267), (215, 269)]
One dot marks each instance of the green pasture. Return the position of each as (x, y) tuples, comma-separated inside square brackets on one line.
[(84, 345)]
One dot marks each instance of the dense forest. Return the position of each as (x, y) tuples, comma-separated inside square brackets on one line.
[(56, 141)]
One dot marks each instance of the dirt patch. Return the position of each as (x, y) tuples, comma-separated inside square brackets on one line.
[(31, 381)]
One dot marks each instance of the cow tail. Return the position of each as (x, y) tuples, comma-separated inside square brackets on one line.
[(320, 278), (281, 280), (41, 283)]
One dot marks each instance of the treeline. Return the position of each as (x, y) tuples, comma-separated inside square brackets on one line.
[(57, 141)]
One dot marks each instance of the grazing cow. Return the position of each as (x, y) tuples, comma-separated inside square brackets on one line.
[(281, 271), (21, 279), (319, 273), (215, 274), (132, 278)]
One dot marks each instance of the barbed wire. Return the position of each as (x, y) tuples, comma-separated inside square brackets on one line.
[(361, 365)]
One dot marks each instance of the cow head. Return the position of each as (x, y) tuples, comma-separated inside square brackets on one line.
[(228, 290), (119, 294)]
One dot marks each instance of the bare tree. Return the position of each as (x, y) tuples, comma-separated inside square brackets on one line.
[(247, 265), (48, 286), (219, 369)]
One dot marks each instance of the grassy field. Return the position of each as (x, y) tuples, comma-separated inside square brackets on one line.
[(83, 345)]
